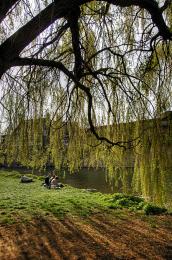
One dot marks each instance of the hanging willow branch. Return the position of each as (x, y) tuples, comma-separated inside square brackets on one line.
[(91, 55)]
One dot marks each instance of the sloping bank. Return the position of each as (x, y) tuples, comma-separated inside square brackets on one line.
[(72, 223)]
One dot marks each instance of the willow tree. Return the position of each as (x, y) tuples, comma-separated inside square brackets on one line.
[(94, 66)]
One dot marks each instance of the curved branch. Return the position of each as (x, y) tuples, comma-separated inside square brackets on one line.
[(42, 62), (155, 11)]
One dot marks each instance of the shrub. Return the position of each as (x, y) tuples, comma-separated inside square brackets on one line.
[(119, 196), (126, 201), (150, 209), (120, 201)]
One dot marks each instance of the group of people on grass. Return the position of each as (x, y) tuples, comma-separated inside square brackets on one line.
[(52, 181)]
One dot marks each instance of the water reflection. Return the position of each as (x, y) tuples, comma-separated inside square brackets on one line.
[(99, 179), (88, 179), (122, 181)]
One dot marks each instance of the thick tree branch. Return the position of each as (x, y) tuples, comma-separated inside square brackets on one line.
[(155, 11), (73, 17), (165, 6), (42, 62), (14, 45), (5, 6), (18, 41)]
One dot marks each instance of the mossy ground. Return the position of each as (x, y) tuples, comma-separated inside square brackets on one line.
[(73, 223)]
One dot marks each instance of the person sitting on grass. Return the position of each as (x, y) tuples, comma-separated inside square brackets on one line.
[(52, 176), (54, 182), (47, 181)]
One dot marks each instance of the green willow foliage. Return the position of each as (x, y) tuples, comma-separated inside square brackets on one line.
[(40, 142), (126, 68)]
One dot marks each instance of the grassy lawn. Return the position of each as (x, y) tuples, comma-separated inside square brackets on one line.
[(25, 200)]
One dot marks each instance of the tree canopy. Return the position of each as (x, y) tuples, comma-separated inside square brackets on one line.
[(102, 62), (80, 79)]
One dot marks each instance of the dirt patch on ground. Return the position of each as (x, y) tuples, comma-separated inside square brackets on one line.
[(96, 237)]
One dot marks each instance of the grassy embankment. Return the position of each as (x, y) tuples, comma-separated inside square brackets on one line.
[(22, 202), (37, 223)]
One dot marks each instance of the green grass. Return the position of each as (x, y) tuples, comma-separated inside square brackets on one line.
[(25, 200), (21, 202)]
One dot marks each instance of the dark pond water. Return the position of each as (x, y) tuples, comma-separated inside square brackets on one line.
[(88, 179), (94, 179)]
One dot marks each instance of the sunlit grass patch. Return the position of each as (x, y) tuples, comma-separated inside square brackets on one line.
[(32, 198)]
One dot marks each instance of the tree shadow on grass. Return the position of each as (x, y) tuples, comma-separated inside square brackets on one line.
[(95, 237)]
